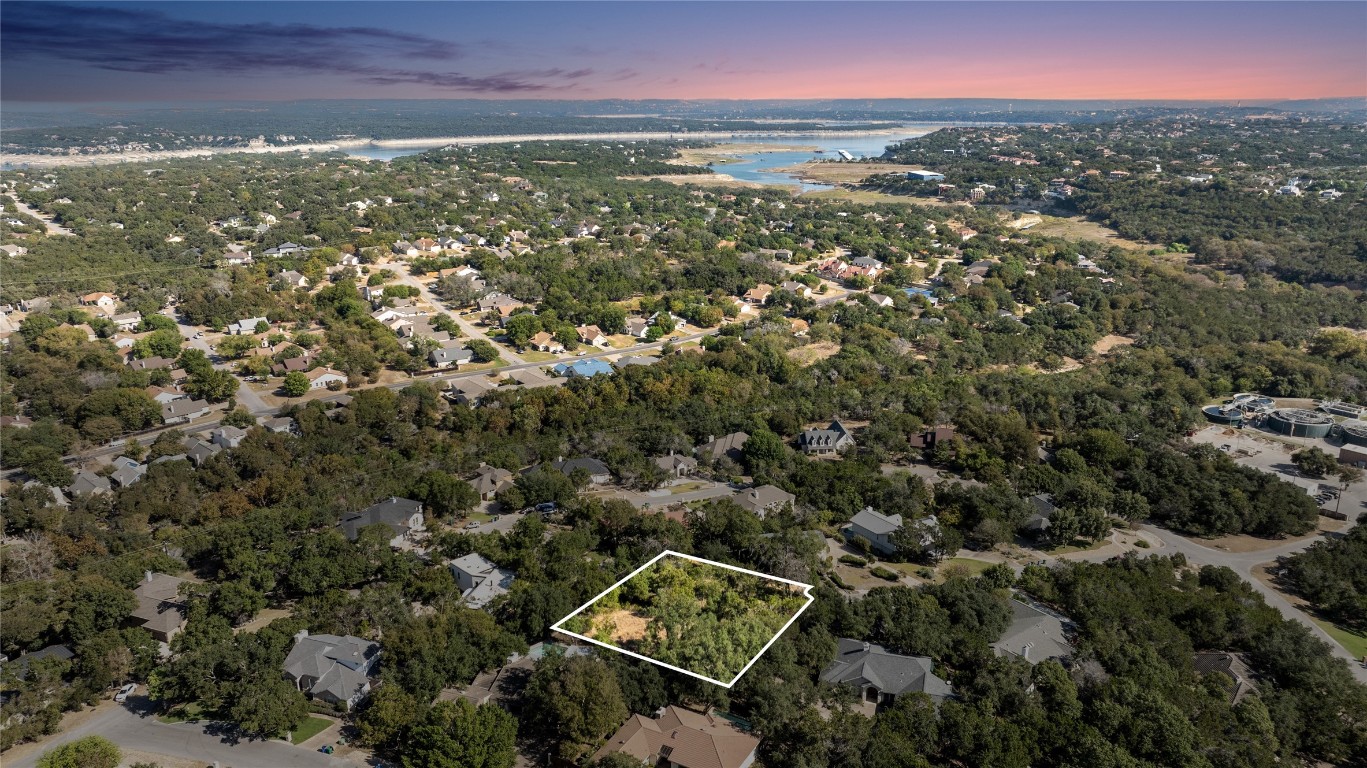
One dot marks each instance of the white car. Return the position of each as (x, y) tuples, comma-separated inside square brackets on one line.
[(125, 692)]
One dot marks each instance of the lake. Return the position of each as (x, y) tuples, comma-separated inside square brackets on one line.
[(758, 167)]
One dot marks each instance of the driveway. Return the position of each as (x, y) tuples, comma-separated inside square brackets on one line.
[(200, 742)]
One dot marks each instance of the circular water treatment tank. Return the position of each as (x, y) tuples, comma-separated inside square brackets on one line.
[(1298, 422), (1355, 432), (1223, 415)]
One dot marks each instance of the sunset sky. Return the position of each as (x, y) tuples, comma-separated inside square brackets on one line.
[(154, 51)]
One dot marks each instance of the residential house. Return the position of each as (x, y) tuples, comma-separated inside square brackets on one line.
[(182, 410), (332, 668), (545, 342), (286, 249), (925, 176), (677, 465), (590, 334), (449, 355), (199, 451), (1232, 667), (127, 471), (822, 442), (470, 391), (490, 480), (321, 378), (59, 499), (160, 610), (681, 738), (426, 245), (598, 472), (726, 446), (403, 516), (881, 676), (19, 666), (105, 301), (876, 528), (36, 304), (932, 438), (637, 327), (480, 581), (299, 363), (498, 302), (1037, 525), (13, 250), (18, 422), (292, 279), (797, 289), (151, 363), (228, 437), (764, 499), (759, 295), (879, 300), (87, 483), (281, 425), (1033, 635), (127, 321), (246, 326), (626, 361), (582, 369), (799, 327)]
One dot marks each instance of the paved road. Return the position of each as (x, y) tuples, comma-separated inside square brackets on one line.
[(186, 741), (466, 327), (53, 228), (1243, 564)]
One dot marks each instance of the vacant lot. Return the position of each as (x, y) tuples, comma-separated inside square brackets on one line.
[(844, 173)]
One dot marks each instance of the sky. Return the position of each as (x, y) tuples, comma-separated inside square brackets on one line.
[(211, 51)]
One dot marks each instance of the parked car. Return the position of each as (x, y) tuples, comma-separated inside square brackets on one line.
[(581, 353), (472, 524), (125, 692), (545, 507)]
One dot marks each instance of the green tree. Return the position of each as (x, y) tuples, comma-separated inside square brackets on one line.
[(1314, 462), (576, 701), (461, 735), (485, 351), (211, 385), (87, 752), (389, 713), (296, 384)]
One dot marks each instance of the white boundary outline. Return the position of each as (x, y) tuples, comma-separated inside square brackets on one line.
[(806, 592)]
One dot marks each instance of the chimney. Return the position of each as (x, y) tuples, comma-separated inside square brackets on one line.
[(301, 634), (559, 459), (866, 646), (147, 575), (1025, 651)]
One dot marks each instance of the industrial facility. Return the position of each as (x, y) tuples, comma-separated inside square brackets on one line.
[(1354, 432), (1224, 414), (1299, 422), (1340, 408)]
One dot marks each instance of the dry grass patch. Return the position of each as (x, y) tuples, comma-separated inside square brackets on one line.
[(813, 353), (1107, 343)]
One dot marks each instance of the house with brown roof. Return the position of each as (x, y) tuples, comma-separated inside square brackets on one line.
[(490, 481), (680, 738), (545, 342), (101, 300), (159, 610), (764, 499), (758, 295), (590, 334), (728, 446)]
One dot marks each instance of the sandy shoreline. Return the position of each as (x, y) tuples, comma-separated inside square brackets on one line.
[(54, 161)]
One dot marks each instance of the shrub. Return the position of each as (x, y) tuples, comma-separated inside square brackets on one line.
[(854, 560), (884, 573)]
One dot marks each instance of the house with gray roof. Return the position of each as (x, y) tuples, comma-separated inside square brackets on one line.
[(827, 441), (1240, 678), (599, 474), (451, 355), (87, 483), (726, 446), (281, 425), (183, 410), (876, 527), (1037, 524), (490, 481), (1033, 635), (332, 668), (199, 451), (160, 610), (677, 465), (881, 676), (764, 499), (228, 437), (480, 581), (403, 516), (19, 666), (127, 471)]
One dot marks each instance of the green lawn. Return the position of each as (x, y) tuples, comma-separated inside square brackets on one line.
[(1354, 643), (310, 728), (532, 356), (1069, 548)]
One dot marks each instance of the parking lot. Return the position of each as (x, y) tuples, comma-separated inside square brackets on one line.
[(1271, 452)]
